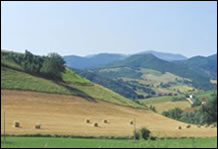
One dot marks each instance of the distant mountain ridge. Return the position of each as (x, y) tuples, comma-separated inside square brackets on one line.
[(207, 66), (199, 72), (93, 61), (99, 60), (166, 56)]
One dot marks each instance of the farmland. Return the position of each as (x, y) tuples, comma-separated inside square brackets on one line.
[(165, 103), (66, 115)]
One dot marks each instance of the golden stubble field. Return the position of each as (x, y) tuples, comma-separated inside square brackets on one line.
[(66, 115)]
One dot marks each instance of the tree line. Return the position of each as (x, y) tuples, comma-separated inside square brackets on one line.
[(207, 114), (50, 66)]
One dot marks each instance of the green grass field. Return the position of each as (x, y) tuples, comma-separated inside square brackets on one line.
[(150, 71), (50, 142), (155, 100), (183, 88), (205, 93), (12, 79)]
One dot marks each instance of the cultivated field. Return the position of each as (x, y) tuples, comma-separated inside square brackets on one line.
[(66, 115), (165, 106), (165, 103)]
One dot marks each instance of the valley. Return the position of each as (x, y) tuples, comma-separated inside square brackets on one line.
[(61, 107)]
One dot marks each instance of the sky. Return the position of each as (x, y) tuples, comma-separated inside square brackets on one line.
[(86, 28)]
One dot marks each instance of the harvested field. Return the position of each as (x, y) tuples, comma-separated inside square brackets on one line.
[(65, 115)]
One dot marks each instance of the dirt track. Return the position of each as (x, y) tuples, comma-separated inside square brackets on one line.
[(66, 115)]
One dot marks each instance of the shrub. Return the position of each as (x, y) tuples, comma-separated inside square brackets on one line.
[(196, 103), (152, 108), (174, 113), (143, 133)]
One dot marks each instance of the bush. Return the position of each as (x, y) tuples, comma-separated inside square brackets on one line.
[(53, 66), (143, 133), (196, 103), (207, 114), (174, 113), (152, 108)]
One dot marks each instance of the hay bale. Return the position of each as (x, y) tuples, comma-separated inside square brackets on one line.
[(188, 126), (37, 126), (16, 124), (105, 121), (206, 126), (88, 121), (131, 122), (95, 124), (179, 127), (214, 126)]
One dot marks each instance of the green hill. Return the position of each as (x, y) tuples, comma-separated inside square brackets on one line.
[(144, 75), (151, 62), (13, 77), (207, 66)]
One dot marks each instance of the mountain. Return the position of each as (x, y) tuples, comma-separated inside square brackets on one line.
[(99, 60), (143, 75), (149, 61), (93, 61), (207, 66), (165, 56)]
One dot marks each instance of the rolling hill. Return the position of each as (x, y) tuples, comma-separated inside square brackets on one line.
[(151, 62), (144, 75), (61, 107), (207, 66), (99, 60), (14, 78)]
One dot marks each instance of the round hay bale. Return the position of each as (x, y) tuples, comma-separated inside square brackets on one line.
[(16, 124), (88, 121), (213, 126), (179, 127), (206, 126), (131, 122), (37, 126), (95, 124), (188, 126), (105, 121)]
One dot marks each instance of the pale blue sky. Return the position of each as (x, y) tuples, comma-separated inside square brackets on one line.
[(83, 28)]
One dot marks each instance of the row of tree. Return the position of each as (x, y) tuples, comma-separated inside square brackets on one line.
[(50, 66), (207, 114)]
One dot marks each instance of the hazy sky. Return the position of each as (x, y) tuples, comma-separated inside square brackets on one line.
[(83, 28)]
